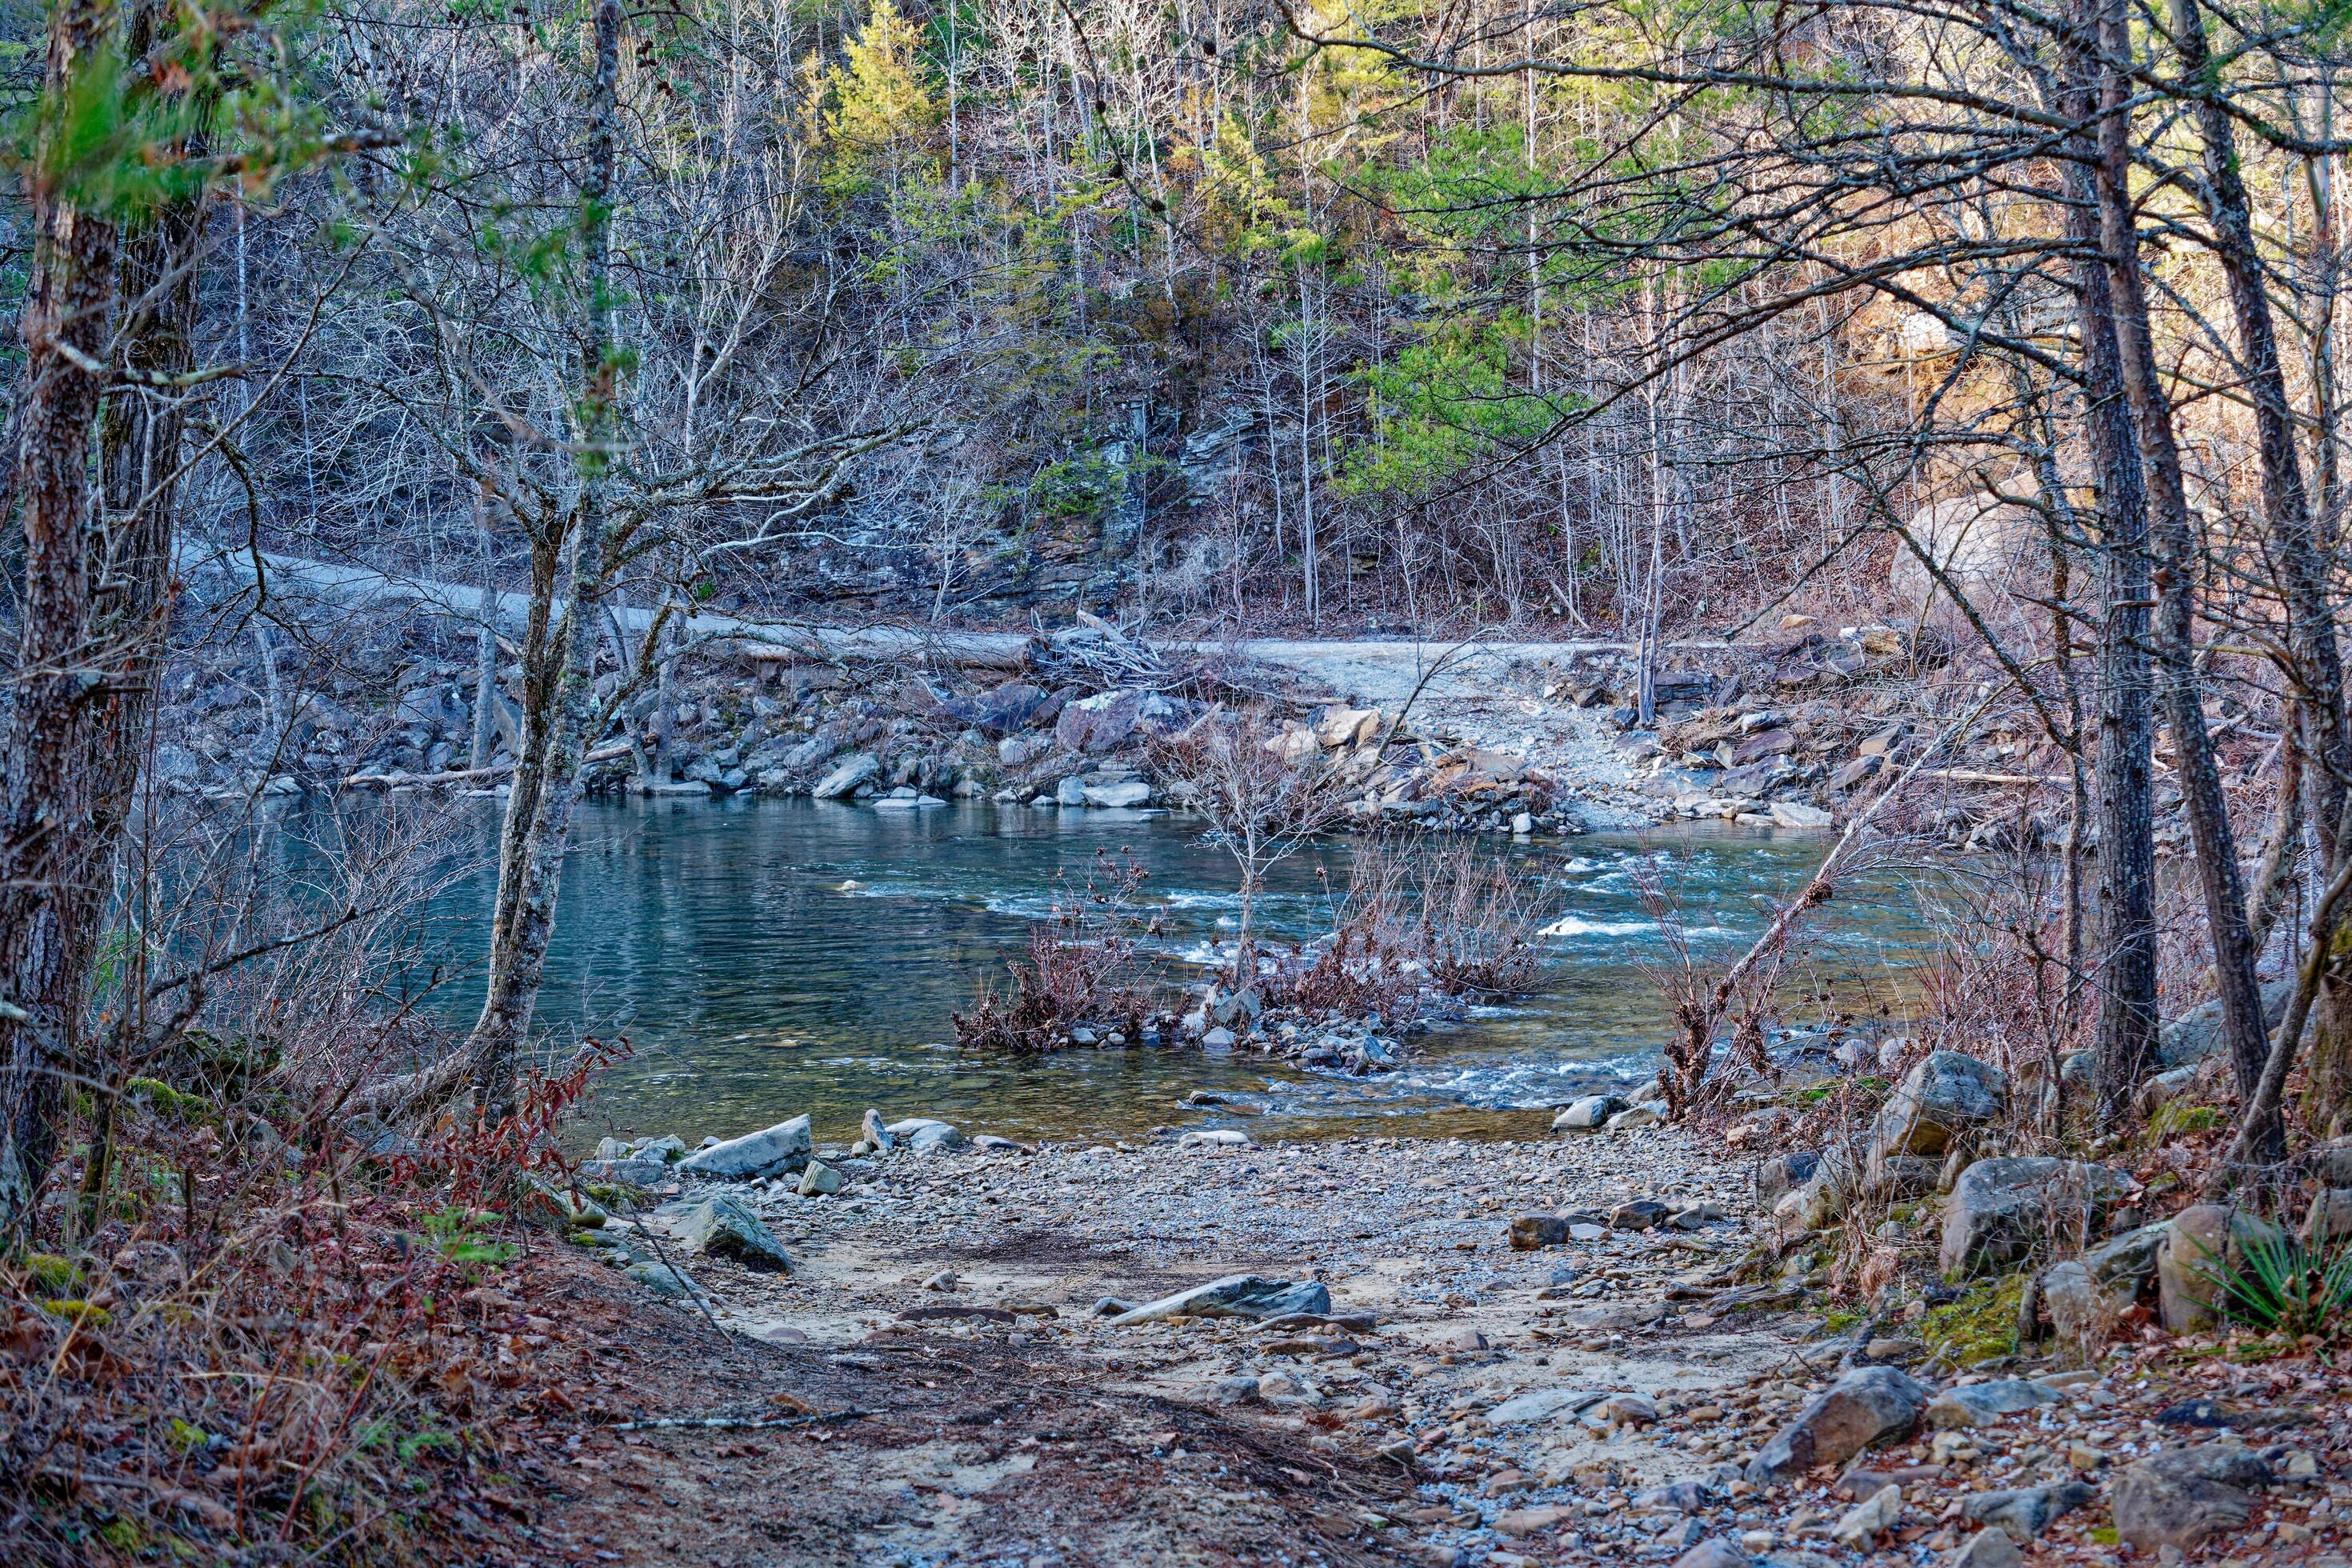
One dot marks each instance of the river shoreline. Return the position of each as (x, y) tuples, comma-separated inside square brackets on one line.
[(1461, 1401)]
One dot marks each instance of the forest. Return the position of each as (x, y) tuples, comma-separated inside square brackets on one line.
[(435, 432)]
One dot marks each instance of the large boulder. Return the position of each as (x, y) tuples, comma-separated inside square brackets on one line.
[(847, 776), (1867, 1406), (1009, 706), (721, 1227), (2183, 1496), (1111, 718), (1235, 1296), (771, 1152), (2197, 1034), (1980, 544), (1942, 1098), (2004, 1210), (2199, 1245), (1587, 1113)]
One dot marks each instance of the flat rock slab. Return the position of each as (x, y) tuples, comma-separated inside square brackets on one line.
[(1543, 1405), (1235, 1296)]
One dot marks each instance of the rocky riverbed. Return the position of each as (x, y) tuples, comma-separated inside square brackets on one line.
[(1564, 1349)]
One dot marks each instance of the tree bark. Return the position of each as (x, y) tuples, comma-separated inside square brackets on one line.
[(2126, 960), (2296, 556), (2175, 536), (559, 659), (50, 874)]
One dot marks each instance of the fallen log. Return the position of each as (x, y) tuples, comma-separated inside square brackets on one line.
[(461, 775)]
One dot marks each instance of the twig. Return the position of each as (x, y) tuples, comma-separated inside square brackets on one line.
[(736, 1423)]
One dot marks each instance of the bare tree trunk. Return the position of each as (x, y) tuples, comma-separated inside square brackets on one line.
[(2127, 966), (49, 875), (486, 640), (2296, 556), (2176, 543), (559, 691)]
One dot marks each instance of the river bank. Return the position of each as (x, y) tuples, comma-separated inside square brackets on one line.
[(952, 1336)]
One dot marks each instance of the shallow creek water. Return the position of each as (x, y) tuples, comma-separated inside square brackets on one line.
[(768, 957)]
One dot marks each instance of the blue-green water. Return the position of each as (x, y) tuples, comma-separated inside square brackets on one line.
[(768, 957)]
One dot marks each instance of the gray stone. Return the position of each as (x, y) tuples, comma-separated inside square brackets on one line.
[(2183, 1496), (1870, 1518), (925, 1134), (2004, 1210), (1122, 795), (2329, 1218), (2199, 1245), (1989, 1548), (1797, 813), (2077, 1309), (1217, 1039), (1944, 1097), (2123, 1266), (2197, 1034), (1634, 1117), (1235, 1296), (820, 1179), (720, 1228), (1900, 1176), (1715, 1553), (1981, 1403), (877, 1136), (847, 776), (771, 1152), (1781, 1174), (1588, 1114), (1868, 1405), (1071, 791), (2024, 1512), (663, 1279), (2331, 1162), (668, 1146), (633, 1172), (1543, 1405)]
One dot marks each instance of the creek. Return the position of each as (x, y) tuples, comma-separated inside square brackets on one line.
[(766, 957)]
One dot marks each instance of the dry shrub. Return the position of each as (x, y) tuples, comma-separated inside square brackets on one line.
[(1080, 967), (247, 1328), (1419, 917)]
